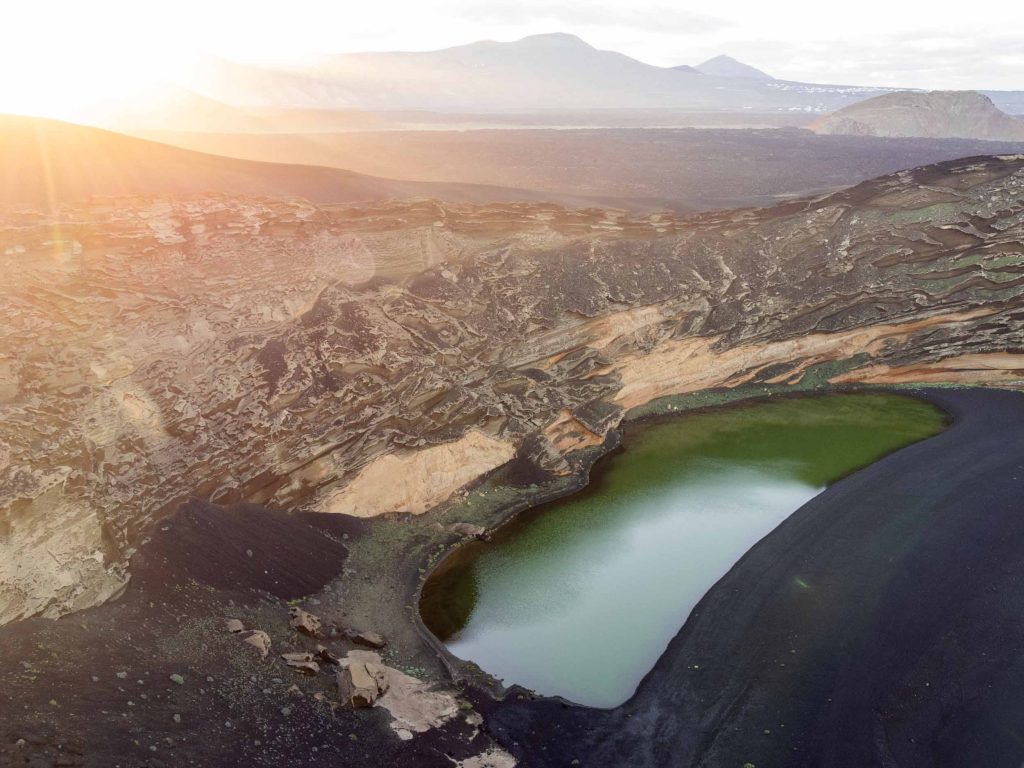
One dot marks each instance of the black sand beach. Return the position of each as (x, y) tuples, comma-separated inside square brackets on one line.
[(879, 625)]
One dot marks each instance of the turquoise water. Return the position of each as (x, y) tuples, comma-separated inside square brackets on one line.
[(579, 598)]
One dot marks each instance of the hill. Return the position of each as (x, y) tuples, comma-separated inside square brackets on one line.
[(47, 163), (691, 169), (727, 66), (936, 114)]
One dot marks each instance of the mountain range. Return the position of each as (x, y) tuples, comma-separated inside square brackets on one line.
[(537, 73)]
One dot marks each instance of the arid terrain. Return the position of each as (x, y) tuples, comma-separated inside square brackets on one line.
[(354, 377), (483, 384), (685, 170)]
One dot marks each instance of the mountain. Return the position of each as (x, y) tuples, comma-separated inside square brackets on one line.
[(935, 114), (540, 72), (726, 66), (48, 163), (544, 73)]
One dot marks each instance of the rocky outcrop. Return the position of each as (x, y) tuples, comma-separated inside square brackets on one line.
[(277, 352), (304, 621), (933, 115), (413, 481), (361, 683), (414, 705), (492, 758)]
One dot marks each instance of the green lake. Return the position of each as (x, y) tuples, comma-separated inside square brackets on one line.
[(579, 597)]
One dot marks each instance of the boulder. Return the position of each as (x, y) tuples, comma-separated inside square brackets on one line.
[(259, 640), (361, 683), (325, 655), (304, 622), (301, 662), (368, 639), (468, 529), (415, 705), (234, 626)]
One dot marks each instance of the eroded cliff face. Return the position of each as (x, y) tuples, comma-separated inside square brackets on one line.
[(275, 352)]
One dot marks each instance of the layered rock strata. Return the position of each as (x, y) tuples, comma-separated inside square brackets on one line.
[(298, 356)]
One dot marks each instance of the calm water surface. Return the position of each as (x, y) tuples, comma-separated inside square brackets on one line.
[(580, 597)]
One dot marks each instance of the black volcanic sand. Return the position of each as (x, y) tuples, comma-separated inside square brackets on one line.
[(881, 624), (60, 693)]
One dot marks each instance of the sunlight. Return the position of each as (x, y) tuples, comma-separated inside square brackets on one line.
[(82, 65)]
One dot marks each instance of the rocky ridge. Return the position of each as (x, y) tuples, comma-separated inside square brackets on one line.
[(934, 114), (267, 351)]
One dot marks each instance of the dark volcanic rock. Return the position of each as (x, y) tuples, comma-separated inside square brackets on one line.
[(108, 671), (270, 368)]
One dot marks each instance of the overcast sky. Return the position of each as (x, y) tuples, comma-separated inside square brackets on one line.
[(937, 44)]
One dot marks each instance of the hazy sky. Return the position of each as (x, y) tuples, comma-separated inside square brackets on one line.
[(55, 50)]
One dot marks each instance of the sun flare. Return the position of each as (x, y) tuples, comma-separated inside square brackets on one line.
[(82, 65)]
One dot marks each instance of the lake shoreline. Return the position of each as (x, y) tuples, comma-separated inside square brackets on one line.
[(660, 521), (589, 462), (696, 707), (254, 564)]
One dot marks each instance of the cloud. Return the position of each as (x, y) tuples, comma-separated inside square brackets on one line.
[(571, 15)]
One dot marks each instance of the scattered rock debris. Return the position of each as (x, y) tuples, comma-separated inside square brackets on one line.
[(303, 662), (305, 622), (259, 640), (368, 639)]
